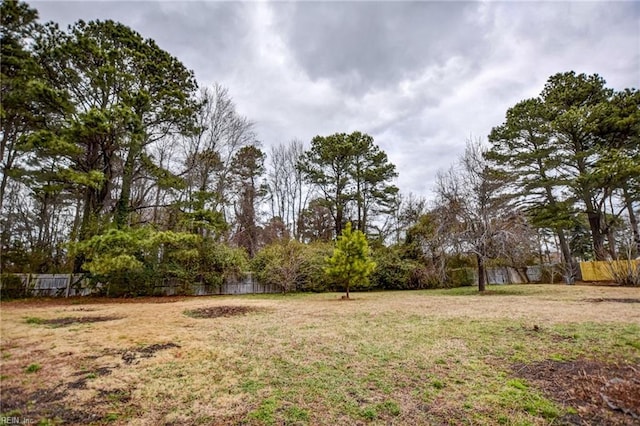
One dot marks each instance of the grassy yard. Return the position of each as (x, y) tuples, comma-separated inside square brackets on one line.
[(530, 354)]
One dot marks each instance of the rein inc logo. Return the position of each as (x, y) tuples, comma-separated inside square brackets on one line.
[(14, 420)]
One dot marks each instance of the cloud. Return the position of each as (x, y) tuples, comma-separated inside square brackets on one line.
[(421, 77)]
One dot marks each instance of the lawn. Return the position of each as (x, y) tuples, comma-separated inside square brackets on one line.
[(527, 354)]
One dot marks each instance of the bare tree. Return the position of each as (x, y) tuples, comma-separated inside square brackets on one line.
[(209, 152), (288, 195), (479, 217)]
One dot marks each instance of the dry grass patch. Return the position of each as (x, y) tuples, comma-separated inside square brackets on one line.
[(423, 357), (220, 311)]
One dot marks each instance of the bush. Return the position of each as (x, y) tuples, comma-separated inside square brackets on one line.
[(552, 273), (12, 287), (293, 266), (625, 272), (393, 272), (314, 277), (133, 262), (218, 263), (460, 277), (397, 273)]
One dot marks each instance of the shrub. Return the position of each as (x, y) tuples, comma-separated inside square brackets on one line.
[(131, 262), (460, 277), (292, 266), (625, 272), (394, 272), (12, 287), (280, 265)]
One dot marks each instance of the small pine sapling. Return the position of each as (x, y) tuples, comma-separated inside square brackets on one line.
[(351, 262)]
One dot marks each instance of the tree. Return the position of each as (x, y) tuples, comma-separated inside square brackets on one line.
[(573, 149), (480, 218), (248, 166), (20, 74), (350, 169), (621, 133), (351, 262), (287, 195), (209, 153), (428, 240), (30, 109), (327, 165), (524, 149), (316, 222), (127, 93), (371, 173)]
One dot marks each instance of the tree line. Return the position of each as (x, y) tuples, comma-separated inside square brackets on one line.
[(115, 162)]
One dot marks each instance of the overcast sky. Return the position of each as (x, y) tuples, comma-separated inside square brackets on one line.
[(420, 77)]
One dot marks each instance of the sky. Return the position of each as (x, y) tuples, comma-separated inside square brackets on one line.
[(421, 77)]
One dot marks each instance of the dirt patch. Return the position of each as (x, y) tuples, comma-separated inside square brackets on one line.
[(53, 399), (220, 311), (43, 404), (600, 393), (132, 356), (66, 321), (605, 299), (82, 382)]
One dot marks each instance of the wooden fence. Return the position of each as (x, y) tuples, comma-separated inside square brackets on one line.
[(608, 270), (66, 285)]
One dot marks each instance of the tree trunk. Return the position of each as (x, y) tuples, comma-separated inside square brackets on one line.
[(632, 218), (569, 265), (597, 236), (122, 208), (3, 187), (611, 239), (482, 280), (338, 223)]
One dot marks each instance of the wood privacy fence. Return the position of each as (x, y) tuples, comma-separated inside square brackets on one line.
[(51, 285), (66, 285), (609, 270)]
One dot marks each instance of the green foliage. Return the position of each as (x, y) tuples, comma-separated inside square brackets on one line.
[(12, 287), (350, 169), (218, 262), (395, 272), (570, 152), (133, 261), (460, 277), (293, 266), (351, 262)]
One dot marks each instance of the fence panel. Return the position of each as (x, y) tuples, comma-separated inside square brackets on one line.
[(51, 285), (603, 270)]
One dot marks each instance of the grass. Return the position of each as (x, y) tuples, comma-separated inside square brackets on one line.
[(419, 357), (33, 368)]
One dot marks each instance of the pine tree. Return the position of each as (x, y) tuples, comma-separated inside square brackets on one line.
[(351, 262)]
